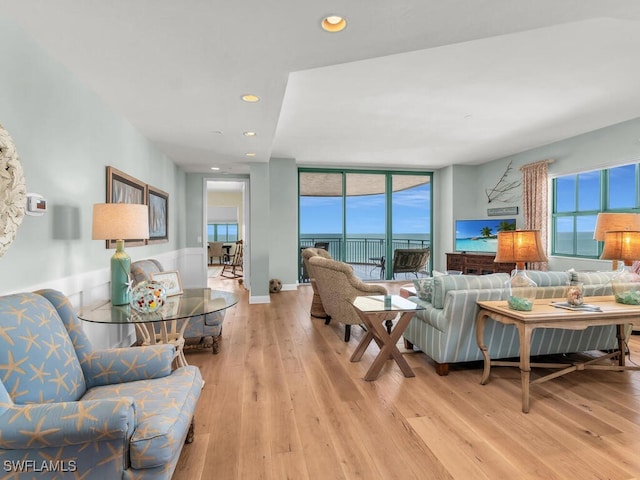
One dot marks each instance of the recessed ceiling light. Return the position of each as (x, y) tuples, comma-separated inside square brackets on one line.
[(249, 134), (250, 154), (333, 23), (250, 98), (215, 168)]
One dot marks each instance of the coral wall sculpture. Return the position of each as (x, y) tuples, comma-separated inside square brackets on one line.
[(13, 191)]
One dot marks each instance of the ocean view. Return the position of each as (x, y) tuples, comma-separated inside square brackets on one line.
[(364, 248)]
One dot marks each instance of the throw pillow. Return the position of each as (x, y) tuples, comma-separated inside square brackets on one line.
[(424, 288)]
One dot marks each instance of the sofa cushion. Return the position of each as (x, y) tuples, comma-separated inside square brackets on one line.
[(592, 278), (424, 288), (444, 283), (549, 279), (38, 363), (164, 408)]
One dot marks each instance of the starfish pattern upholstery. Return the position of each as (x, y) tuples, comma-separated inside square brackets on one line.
[(69, 410)]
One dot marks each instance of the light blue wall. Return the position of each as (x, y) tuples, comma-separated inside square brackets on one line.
[(65, 137)]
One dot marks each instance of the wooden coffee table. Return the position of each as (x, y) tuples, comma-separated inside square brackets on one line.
[(374, 311), (545, 315)]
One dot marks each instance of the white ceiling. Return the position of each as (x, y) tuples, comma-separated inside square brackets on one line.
[(415, 83)]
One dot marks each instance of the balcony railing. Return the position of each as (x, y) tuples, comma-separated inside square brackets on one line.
[(361, 251)]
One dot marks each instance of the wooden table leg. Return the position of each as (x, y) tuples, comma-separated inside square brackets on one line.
[(388, 346), (621, 344), (525, 363), (481, 320), (362, 346)]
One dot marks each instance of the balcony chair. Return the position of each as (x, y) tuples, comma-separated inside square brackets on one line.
[(317, 309), (201, 331), (338, 287), (410, 260), (115, 413)]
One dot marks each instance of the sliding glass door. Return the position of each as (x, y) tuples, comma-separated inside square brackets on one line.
[(363, 217), (365, 226), (410, 211)]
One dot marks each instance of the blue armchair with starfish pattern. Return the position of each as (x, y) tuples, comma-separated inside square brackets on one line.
[(70, 411)]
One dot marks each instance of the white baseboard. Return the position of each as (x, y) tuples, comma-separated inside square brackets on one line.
[(259, 299), (290, 286)]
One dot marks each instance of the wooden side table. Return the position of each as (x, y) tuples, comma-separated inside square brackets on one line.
[(375, 311)]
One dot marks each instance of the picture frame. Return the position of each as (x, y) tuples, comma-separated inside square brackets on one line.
[(123, 188), (158, 202), (170, 281)]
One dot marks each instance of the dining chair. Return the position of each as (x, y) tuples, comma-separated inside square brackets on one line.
[(233, 268)]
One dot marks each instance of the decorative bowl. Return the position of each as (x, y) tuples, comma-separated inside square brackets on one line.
[(148, 297)]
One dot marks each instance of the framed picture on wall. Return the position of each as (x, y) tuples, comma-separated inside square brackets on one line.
[(158, 202), (123, 188)]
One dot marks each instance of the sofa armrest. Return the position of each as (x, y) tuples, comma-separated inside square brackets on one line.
[(122, 365), (53, 425)]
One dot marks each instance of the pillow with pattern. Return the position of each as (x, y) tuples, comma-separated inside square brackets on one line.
[(424, 288)]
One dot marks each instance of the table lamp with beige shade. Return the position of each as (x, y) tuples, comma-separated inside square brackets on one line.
[(120, 222), (519, 247), (606, 222), (624, 245)]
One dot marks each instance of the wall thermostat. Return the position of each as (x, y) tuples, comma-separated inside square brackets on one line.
[(36, 204)]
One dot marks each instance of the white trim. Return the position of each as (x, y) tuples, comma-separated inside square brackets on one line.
[(259, 299), (289, 287)]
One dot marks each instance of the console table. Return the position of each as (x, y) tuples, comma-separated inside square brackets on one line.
[(545, 315), (477, 263)]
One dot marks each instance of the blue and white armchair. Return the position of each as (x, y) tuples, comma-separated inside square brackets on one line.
[(69, 411)]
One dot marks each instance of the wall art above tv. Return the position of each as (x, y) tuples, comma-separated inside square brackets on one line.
[(481, 235)]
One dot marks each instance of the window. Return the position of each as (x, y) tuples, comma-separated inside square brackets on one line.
[(364, 216), (577, 200), (222, 232)]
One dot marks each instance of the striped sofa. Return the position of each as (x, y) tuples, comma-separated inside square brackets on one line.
[(445, 330)]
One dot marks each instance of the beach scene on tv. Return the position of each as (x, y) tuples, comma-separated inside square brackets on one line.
[(481, 235)]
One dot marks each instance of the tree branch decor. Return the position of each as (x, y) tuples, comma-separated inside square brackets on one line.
[(503, 190), (13, 191)]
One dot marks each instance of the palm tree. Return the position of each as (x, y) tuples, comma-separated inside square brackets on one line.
[(485, 232), (506, 225)]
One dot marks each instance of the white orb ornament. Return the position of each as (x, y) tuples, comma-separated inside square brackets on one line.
[(13, 191)]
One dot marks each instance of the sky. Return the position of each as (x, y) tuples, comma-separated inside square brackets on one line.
[(366, 213)]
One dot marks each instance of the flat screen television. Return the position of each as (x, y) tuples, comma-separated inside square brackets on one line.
[(481, 235)]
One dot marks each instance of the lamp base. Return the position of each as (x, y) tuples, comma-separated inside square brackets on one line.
[(626, 286), (120, 270), (522, 291)]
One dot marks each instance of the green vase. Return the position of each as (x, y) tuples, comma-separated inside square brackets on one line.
[(120, 269)]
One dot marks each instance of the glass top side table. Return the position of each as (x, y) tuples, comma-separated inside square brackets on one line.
[(193, 302), (374, 310)]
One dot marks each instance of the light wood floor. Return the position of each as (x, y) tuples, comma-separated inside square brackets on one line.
[(283, 401)]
